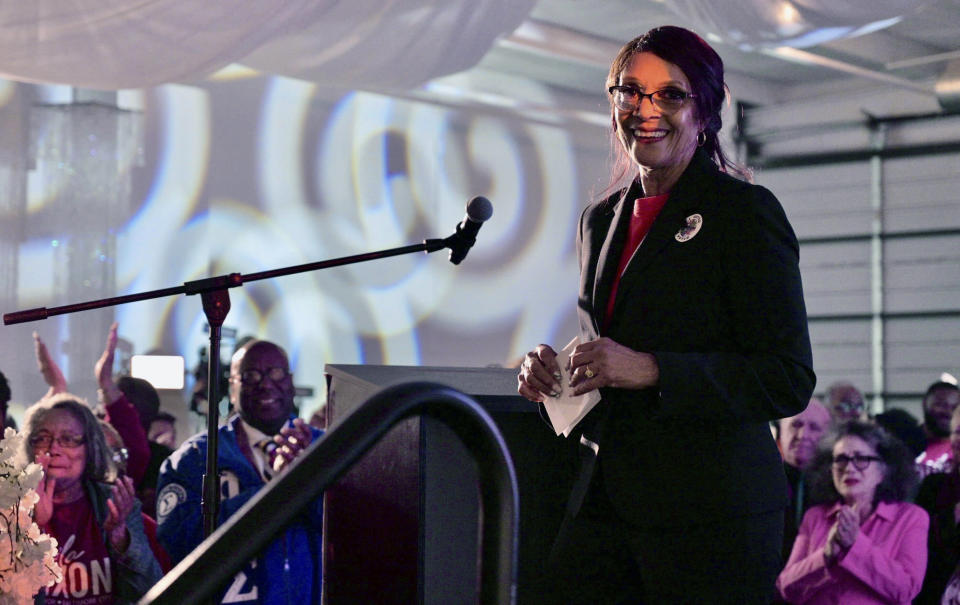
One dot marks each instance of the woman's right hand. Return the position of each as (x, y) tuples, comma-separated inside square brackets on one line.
[(843, 533), (539, 375), (43, 511)]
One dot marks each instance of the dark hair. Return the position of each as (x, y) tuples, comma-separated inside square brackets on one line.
[(99, 466), (702, 66), (898, 481), (4, 389), (903, 425), (143, 397), (165, 417), (940, 384)]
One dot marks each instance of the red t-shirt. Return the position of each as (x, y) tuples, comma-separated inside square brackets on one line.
[(645, 211), (87, 569)]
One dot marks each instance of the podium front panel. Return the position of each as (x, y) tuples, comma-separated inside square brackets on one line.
[(402, 525)]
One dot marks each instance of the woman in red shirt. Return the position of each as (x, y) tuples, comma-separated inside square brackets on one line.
[(94, 516)]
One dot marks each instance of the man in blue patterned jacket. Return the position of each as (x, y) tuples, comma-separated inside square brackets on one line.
[(254, 445)]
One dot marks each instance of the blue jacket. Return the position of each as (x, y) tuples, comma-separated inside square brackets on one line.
[(289, 569)]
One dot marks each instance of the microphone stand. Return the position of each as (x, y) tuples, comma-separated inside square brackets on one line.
[(215, 298)]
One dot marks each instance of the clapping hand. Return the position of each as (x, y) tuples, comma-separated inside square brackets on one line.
[(43, 511), (103, 369), (291, 441), (843, 533), (118, 508), (48, 368)]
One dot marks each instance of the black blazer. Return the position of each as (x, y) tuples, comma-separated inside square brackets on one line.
[(723, 313)]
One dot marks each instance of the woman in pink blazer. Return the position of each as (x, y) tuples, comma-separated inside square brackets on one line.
[(863, 543)]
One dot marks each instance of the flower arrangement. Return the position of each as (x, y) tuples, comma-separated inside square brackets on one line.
[(27, 556)]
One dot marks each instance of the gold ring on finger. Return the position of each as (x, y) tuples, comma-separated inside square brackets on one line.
[(590, 373)]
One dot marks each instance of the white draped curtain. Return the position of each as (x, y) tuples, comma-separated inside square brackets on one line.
[(114, 44)]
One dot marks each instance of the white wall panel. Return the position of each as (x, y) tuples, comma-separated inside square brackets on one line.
[(841, 351), (823, 201), (922, 192), (920, 349), (836, 277), (922, 274)]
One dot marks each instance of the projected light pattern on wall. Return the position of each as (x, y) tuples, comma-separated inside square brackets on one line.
[(254, 174)]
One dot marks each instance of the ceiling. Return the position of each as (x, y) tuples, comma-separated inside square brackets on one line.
[(569, 43)]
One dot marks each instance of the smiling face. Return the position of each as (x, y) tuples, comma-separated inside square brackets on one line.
[(265, 404), (800, 434), (855, 485), (66, 464), (937, 409), (657, 141)]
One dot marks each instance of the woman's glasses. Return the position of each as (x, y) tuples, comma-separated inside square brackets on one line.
[(43, 440), (860, 462), (627, 97)]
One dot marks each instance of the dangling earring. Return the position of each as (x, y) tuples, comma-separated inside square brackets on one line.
[(701, 138)]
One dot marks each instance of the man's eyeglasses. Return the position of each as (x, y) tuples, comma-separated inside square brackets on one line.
[(860, 462), (627, 97), (43, 440), (254, 377)]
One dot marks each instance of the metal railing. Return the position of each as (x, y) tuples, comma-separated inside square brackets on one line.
[(215, 560)]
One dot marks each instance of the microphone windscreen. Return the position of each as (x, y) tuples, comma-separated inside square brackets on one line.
[(479, 209)]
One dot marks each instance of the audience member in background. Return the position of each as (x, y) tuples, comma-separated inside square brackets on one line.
[(845, 402), (862, 543), (799, 436), (938, 405), (120, 455), (120, 412), (4, 400), (903, 425), (144, 397), (163, 430), (939, 495), (93, 514), (254, 445)]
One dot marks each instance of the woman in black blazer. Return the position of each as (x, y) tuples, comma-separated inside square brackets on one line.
[(693, 328)]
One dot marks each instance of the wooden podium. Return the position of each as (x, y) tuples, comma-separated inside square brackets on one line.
[(402, 525)]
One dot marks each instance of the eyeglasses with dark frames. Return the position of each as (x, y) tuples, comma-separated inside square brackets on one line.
[(860, 462), (255, 377), (45, 440), (627, 97)]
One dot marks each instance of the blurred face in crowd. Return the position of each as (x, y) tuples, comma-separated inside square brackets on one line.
[(857, 470), (938, 408), (800, 434), (163, 432), (261, 387), (60, 436), (955, 434), (846, 403)]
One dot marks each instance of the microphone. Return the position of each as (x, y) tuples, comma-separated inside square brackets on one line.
[(479, 209)]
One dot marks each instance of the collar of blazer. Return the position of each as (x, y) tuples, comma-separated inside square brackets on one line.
[(696, 183)]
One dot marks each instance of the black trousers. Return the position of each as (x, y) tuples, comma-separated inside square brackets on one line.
[(602, 559)]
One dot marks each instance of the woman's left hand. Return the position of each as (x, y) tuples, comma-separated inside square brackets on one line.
[(119, 505), (605, 363), (848, 526)]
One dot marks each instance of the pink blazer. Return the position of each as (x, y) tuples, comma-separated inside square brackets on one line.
[(885, 564)]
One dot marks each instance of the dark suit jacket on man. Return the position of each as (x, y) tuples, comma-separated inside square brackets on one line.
[(724, 315)]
